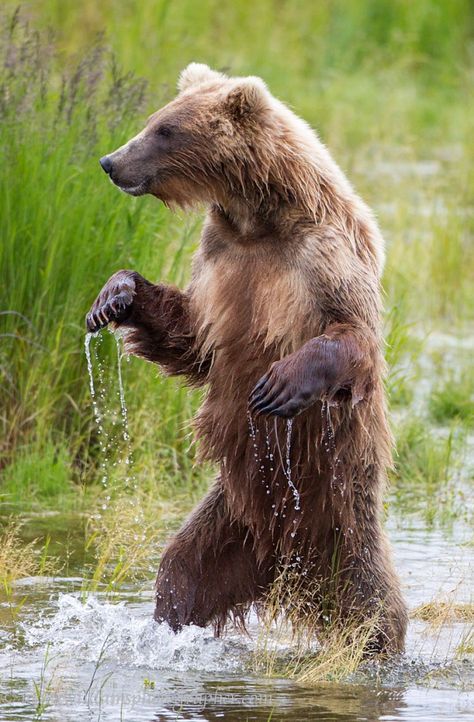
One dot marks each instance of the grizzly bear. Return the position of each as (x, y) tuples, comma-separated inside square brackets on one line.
[(281, 322)]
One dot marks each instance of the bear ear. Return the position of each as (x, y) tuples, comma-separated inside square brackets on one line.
[(196, 74), (249, 96)]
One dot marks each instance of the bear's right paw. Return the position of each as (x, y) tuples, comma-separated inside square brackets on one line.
[(114, 302)]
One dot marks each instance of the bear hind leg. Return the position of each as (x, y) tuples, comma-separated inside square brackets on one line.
[(210, 570)]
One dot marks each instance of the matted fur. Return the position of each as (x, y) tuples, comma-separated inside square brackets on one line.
[(287, 273)]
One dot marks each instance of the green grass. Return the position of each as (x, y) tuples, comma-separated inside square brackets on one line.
[(387, 83), (453, 399), (43, 474), (64, 231), (425, 480), (402, 350)]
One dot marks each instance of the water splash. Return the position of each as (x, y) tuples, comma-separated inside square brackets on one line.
[(126, 636), (288, 474)]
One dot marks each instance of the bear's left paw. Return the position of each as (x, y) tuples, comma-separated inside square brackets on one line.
[(284, 391)]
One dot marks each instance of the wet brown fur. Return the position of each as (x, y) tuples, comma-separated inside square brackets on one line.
[(287, 273)]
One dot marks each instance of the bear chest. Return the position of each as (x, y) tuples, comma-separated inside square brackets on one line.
[(244, 295)]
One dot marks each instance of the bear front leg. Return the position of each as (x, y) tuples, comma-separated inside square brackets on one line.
[(154, 320), (209, 570), (338, 364)]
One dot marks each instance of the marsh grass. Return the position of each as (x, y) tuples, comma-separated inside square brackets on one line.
[(439, 613), (426, 475), (121, 550), (465, 647), (41, 472), (453, 399), (62, 235), (403, 347), (43, 687), (294, 644), (19, 560), (124, 539), (341, 652)]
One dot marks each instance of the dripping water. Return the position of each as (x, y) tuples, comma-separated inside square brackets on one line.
[(294, 490), (270, 458), (129, 479), (253, 430), (101, 410), (268, 448), (102, 433), (253, 436), (330, 447)]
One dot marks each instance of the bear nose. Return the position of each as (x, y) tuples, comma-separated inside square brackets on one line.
[(106, 164)]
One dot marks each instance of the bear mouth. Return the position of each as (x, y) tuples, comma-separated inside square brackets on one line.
[(133, 190), (138, 190)]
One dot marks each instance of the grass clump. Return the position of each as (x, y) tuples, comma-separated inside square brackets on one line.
[(296, 643), (439, 613), (125, 538), (424, 479), (453, 400), (19, 560), (465, 647), (342, 653)]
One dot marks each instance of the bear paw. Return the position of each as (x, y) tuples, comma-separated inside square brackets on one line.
[(114, 302)]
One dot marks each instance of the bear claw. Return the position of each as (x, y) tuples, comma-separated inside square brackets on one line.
[(113, 304)]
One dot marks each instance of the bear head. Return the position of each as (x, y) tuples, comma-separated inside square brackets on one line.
[(205, 144)]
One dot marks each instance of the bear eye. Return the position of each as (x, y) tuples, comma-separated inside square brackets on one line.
[(164, 131)]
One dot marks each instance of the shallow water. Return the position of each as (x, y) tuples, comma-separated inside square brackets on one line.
[(100, 659), (69, 656)]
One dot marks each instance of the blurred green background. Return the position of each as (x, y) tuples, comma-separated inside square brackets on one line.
[(388, 84)]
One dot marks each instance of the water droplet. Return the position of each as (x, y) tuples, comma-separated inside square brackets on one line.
[(295, 492), (108, 442)]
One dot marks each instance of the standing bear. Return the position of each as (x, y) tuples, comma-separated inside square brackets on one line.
[(281, 322)]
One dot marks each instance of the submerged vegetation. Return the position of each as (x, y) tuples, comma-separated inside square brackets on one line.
[(388, 84)]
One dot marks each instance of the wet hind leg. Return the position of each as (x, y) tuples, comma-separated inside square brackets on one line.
[(209, 570), (365, 596)]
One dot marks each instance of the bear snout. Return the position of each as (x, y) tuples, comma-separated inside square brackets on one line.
[(106, 164)]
